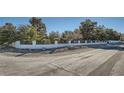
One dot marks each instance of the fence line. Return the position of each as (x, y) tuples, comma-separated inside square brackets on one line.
[(56, 45)]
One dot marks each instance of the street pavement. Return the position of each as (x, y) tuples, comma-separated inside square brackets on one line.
[(107, 61)]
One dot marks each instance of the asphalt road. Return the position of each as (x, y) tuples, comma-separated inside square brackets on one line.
[(105, 61)]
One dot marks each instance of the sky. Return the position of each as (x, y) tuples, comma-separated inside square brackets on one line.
[(67, 23)]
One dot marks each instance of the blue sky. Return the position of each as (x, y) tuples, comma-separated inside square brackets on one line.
[(68, 23)]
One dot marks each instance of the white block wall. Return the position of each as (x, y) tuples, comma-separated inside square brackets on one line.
[(55, 45)]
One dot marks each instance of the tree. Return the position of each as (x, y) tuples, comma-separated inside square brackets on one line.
[(77, 34), (35, 31), (9, 26), (117, 35), (27, 33), (40, 28), (112, 35), (54, 36), (38, 25), (122, 37), (99, 33), (23, 33), (7, 34), (66, 36), (87, 28)]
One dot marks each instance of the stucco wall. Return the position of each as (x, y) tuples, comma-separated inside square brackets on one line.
[(56, 45)]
